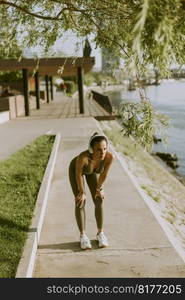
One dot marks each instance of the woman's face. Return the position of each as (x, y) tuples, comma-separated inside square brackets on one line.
[(99, 150)]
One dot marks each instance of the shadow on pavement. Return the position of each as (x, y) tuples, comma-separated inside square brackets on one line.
[(73, 246)]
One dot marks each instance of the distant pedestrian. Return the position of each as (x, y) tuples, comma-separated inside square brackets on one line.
[(94, 164), (63, 87), (6, 92)]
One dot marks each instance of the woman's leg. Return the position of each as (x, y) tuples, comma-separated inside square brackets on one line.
[(92, 181), (98, 202), (79, 212)]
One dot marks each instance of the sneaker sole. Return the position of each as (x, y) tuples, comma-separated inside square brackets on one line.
[(103, 246), (86, 248)]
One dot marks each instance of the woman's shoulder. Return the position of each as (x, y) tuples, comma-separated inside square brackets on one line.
[(109, 157), (84, 155)]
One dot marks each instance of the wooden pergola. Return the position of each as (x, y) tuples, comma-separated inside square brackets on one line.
[(49, 67)]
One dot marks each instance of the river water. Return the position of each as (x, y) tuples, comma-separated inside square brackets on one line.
[(168, 98)]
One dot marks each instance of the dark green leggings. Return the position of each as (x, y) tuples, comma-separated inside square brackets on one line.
[(92, 180)]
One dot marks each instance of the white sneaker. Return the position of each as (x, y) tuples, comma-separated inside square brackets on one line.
[(102, 240), (85, 242)]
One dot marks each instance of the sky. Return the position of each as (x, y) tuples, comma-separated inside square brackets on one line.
[(73, 46)]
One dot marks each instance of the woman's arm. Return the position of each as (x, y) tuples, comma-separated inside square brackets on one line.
[(103, 176), (79, 175), (80, 198)]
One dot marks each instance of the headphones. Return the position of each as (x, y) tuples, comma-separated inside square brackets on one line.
[(96, 134)]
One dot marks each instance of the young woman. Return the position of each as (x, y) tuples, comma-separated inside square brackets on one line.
[(94, 164)]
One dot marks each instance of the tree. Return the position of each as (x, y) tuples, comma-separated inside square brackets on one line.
[(144, 33), (141, 31), (8, 43)]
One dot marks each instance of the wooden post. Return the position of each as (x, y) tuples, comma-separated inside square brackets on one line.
[(37, 90), (51, 86), (26, 92), (80, 89), (47, 87)]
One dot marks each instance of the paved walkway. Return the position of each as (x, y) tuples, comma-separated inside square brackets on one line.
[(68, 107), (138, 245), (50, 118)]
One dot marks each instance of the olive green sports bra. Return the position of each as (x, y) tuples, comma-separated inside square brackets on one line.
[(88, 169)]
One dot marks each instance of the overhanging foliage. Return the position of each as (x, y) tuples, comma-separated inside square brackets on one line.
[(141, 31)]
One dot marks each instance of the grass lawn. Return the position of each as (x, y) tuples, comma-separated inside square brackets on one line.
[(20, 179)]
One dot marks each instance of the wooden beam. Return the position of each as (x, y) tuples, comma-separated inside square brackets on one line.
[(49, 66), (45, 62), (26, 92), (37, 90), (47, 87), (80, 89)]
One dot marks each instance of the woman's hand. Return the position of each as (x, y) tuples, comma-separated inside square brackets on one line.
[(80, 198), (100, 194)]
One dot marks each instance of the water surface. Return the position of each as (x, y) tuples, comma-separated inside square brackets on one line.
[(168, 98)]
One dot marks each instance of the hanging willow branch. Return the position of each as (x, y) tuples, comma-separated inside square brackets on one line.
[(142, 122)]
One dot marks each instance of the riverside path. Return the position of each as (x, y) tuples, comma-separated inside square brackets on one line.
[(138, 244)]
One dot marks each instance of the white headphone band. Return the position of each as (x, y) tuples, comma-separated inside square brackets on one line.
[(95, 136)]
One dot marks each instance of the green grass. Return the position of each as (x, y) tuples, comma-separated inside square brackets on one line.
[(20, 179), (152, 193)]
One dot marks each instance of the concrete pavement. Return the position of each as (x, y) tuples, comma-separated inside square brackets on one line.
[(138, 245)]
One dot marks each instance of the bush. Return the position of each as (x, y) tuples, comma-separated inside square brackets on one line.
[(10, 76), (71, 87), (99, 78)]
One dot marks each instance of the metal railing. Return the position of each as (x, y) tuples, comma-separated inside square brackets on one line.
[(103, 101)]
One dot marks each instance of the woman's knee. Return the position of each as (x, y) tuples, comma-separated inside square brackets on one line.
[(81, 207), (98, 202)]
